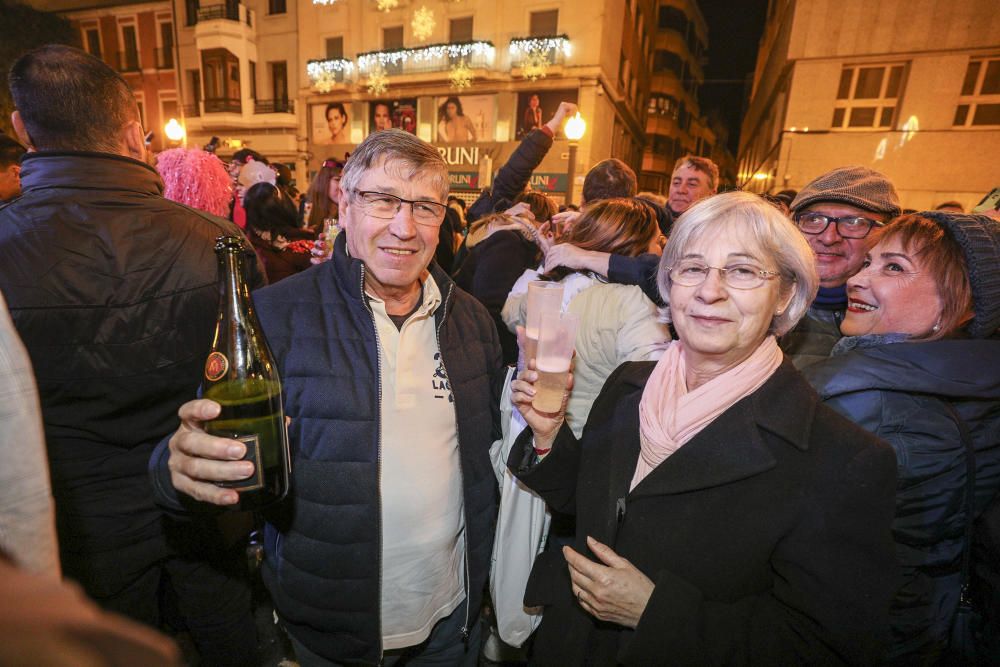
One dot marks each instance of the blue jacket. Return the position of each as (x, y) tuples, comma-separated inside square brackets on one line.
[(898, 392), (323, 544)]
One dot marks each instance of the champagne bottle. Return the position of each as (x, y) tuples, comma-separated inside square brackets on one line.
[(240, 375)]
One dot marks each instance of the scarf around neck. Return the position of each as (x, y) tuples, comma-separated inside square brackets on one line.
[(670, 415)]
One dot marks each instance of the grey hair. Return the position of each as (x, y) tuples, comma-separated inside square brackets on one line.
[(401, 152), (772, 237)]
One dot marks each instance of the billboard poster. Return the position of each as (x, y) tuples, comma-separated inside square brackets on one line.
[(330, 124), (535, 108), (465, 118), (401, 114)]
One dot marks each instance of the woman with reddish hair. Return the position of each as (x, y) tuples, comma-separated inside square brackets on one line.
[(918, 366)]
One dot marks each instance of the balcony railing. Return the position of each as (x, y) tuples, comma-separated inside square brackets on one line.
[(274, 106), (324, 74), (228, 12), (164, 58), (555, 48), (431, 58), (128, 61), (192, 110), (222, 104)]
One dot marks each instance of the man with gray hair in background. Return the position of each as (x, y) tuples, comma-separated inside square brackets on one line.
[(113, 290), (392, 378)]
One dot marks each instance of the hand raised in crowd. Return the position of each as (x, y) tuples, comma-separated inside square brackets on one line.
[(615, 591), (565, 109), (199, 460)]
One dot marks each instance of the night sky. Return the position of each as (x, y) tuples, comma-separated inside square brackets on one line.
[(734, 30)]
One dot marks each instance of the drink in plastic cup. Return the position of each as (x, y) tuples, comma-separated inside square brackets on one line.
[(557, 337), (543, 297)]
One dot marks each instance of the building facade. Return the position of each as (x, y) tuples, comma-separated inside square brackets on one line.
[(301, 82), (911, 89)]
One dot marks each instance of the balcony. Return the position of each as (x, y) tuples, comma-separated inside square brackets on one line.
[(226, 11), (192, 110), (164, 58), (324, 75), (274, 106), (431, 58), (128, 61), (554, 48), (222, 105)]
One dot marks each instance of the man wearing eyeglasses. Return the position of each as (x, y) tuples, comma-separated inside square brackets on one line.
[(391, 377), (840, 214)]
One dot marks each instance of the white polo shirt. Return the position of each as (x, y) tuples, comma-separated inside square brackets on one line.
[(423, 525)]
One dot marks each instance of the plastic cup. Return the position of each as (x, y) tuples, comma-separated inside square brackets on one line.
[(543, 297), (556, 341)]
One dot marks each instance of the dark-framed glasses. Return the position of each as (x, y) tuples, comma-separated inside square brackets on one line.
[(849, 226), (690, 273), (386, 206)]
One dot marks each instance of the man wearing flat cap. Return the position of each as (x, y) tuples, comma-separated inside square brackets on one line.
[(840, 213)]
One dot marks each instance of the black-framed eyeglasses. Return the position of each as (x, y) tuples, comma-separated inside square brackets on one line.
[(386, 206), (849, 226), (691, 273)]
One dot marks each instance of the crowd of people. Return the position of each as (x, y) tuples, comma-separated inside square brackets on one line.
[(779, 442)]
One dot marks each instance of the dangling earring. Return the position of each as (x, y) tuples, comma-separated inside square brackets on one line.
[(936, 327)]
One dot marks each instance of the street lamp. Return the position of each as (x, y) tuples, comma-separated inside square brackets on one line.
[(575, 127), (174, 130)]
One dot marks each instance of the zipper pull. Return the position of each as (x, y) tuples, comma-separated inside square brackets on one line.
[(465, 634), (620, 504)]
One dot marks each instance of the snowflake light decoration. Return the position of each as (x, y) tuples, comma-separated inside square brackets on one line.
[(324, 81), (386, 5), (378, 81), (325, 74), (423, 23), (535, 65), (460, 76)]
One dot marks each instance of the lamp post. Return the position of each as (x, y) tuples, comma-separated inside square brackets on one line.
[(575, 127), (174, 131)]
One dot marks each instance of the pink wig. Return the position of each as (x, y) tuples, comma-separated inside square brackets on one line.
[(195, 178)]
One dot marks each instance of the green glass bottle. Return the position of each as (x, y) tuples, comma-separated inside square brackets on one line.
[(241, 376)]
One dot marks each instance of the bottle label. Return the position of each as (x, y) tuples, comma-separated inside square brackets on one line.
[(256, 480), (216, 366)]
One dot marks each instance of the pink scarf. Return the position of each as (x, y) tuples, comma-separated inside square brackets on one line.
[(670, 415)]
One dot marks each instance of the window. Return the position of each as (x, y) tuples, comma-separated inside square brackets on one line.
[(276, 7), (168, 107), (92, 41), (279, 85), (460, 30), (668, 61), (672, 18), (979, 103), (129, 56), (141, 103), (165, 52), (253, 80), (191, 11), (544, 23), (867, 96), (392, 38), (222, 81), (334, 48)]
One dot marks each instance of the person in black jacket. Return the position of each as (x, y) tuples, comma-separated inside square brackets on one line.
[(392, 379), (113, 290)]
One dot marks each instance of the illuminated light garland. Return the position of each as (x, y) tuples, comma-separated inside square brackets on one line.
[(367, 61), (324, 2), (378, 82), (323, 73), (523, 46), (460, 76), (535, 66), (386, 5), (423, 23)]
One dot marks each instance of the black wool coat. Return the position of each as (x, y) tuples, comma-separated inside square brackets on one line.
[(767, 535)]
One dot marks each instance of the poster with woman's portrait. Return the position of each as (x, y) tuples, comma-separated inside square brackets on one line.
[(401, 114), (330, 123), (535, 108), (465, 118)]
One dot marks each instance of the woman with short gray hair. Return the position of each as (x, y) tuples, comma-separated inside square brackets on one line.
[(724, 515)]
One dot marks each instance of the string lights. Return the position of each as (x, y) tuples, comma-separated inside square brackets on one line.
[(323, 2), (386, 5), (378, 81), (423, 23), (522, 46), (325, 74), (367, 61)]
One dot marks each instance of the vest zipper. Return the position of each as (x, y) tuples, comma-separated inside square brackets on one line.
[(378, 362), (461, 472)]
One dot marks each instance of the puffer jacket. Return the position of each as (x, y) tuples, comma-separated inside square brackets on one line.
[(113, 290), (898, 391), (813, 337), (322, 545)]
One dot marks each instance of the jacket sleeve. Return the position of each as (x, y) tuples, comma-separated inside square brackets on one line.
[(639, 271), (834, 577), (514, 175), (553, 478)]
